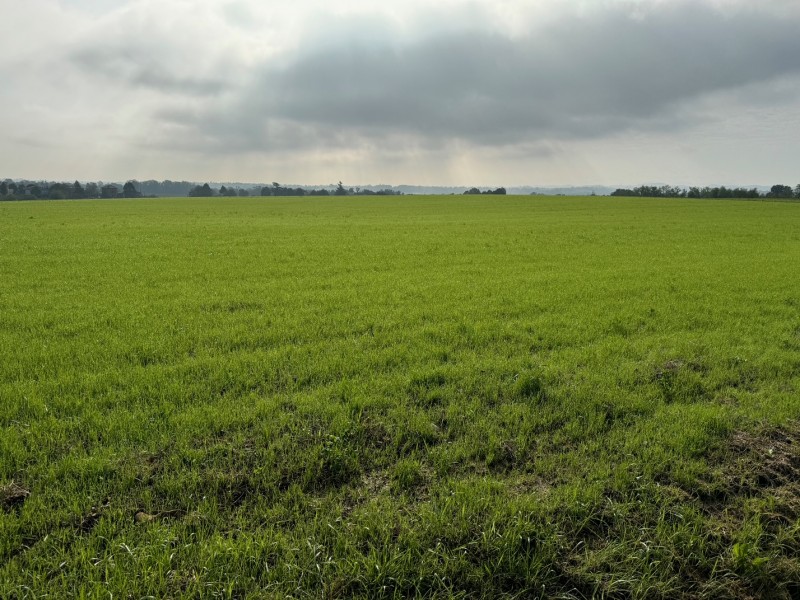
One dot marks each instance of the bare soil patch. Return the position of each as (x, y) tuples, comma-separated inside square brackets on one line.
[(13, 496)]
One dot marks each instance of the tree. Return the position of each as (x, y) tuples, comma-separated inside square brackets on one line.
[(77, 190), (472, 191), (57, 191), (340, 191), (201, 191), (780, 191), (797, 191), (109, 191), (92, 191), (129, 190), (228, 191)]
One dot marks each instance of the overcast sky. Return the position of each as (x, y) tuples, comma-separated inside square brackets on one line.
[(456, 92)]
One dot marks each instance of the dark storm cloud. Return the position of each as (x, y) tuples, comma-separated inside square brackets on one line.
[(576, 78)]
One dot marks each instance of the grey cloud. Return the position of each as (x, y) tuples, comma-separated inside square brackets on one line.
[(136, 66), (579, 78)]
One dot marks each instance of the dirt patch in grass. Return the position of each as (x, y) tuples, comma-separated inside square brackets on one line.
[(731, 533), (671, 366), (141, 517), (758, 478), (774, 455), (526, 485), (376, 482), (13, 496), (92, 518), (760, 462)]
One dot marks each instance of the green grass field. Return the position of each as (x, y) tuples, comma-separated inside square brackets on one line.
[(393, 397)]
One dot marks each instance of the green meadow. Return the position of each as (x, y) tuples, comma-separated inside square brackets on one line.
[(441, 397)]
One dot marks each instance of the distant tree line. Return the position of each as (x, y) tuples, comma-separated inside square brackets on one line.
[(54, 190), (276, 189), (206, 191), (50, 190), (501, 191), (666, 191)]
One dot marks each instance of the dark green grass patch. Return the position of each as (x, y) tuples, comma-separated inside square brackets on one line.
[(394, 397)]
